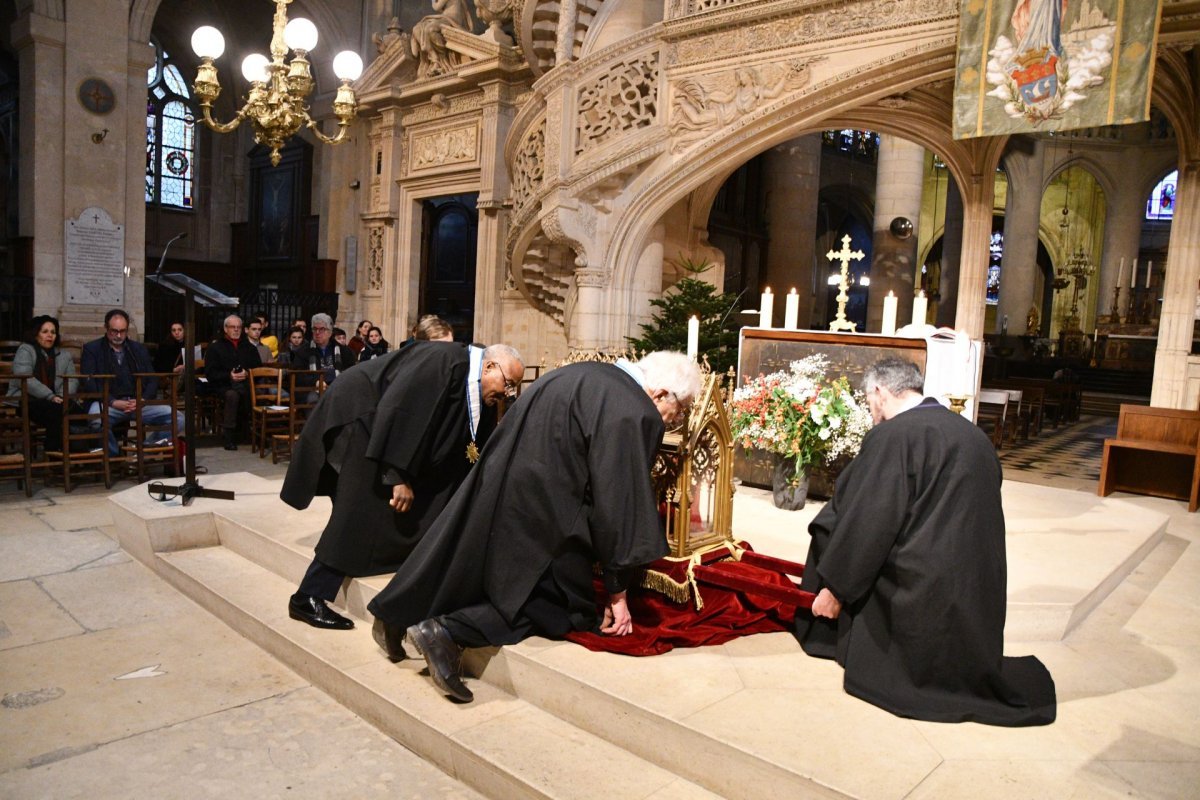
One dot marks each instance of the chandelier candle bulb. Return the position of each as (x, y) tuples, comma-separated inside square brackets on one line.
[(766, 309), (920, 308), (890, 305), (791, 310), (693, 340)]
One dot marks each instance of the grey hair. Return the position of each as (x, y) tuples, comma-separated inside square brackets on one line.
[(672, 371), (325, 318), (492, 352), (898, 375), (232, 316)]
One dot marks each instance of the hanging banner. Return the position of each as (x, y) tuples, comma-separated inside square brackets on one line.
[(1031, 66)]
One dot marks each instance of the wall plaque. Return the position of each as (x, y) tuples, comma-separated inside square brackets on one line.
[(95, 259)]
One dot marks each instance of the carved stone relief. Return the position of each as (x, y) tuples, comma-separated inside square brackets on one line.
[(529, 166), (440, 148), (621, 100), (703, 104), (428, 42), (375, 258)]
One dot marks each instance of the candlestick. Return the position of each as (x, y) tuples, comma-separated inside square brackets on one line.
[(766, 309), (920, 308), (693, 340), (791, 310), (889, 314), (1149, 269), (1121, 273)]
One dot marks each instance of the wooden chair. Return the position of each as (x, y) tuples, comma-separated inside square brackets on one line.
[(992, 413), (1156, 452), (8, 349), (209, 407), (83, 447), (16, 442), (303, 396), (137, 452), (268, 411)]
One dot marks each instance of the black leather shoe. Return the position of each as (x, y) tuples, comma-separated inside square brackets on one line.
[(230, 440), (443, 656), (315, 612), (390, 639)]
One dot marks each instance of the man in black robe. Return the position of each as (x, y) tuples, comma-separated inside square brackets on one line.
[(563, 484), (908, 563), (389, 442)]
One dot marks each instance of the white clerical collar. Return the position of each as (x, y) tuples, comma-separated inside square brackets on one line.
[(632, 370), (474, 388), (910, 404)]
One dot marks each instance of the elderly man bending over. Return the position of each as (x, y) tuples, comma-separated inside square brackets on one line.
[(564, 483)]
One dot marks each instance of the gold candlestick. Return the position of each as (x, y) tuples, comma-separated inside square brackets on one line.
[(958, 402)]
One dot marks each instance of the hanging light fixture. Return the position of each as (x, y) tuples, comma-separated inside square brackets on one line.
[(278, 88)]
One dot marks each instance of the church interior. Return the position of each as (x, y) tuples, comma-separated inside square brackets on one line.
[(546, 173)]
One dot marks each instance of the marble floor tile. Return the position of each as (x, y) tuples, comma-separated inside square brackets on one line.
[(117, 595), (1160, 781), (24, 521), (77, 516), (1005, 779), (1134, 725), (30, 555), (28, 615)]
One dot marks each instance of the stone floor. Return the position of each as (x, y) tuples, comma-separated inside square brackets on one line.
[(103, 696)]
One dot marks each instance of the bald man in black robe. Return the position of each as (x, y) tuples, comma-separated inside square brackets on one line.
[(563, 484), (908, 563), (388, 442)]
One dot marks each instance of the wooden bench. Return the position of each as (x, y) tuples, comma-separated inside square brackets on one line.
[(1156, 452)]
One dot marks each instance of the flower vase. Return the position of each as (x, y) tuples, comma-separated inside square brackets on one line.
[(789, 486)]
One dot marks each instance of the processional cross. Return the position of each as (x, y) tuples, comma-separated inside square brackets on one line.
[(845, 255)]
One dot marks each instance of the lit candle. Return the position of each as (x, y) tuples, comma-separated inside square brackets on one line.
[(767, 309), (889, 313), (1121, 273), (791, 310), (693, 345), (920, 308), (1149, 269)]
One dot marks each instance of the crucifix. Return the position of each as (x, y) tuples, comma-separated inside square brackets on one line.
[(845, 255)]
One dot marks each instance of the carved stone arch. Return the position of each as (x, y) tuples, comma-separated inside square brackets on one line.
[(1102, 176), (1174, 93), (141, 19)]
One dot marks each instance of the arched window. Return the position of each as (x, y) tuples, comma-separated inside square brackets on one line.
[(1161, 204), (170, 135)]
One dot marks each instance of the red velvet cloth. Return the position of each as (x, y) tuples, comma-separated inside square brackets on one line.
[(660, 625)]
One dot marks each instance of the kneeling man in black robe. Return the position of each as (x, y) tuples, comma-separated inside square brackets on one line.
[(390, 442), (563, 484), (909, 566)]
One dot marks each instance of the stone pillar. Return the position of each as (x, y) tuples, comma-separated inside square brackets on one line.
[(793, 173), (564, 48), (1022, 216), (978, 194), (1122, 235), (898, 185), (646, 284), (1179, 293), (494, 190), (952, 236), (588, 316)]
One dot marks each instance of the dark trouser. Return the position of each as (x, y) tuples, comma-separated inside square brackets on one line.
[(321, 580), (233, 397), (547, 612), (483, 626), (48, 414)]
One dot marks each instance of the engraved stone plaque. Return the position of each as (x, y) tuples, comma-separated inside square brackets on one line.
[(95, 248)]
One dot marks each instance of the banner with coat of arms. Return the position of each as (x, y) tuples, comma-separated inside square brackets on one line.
[(1029, 66)]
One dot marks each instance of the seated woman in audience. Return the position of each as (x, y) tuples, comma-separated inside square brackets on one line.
[(169, 356), (359, 340), (40, 357), (374, 346), (294, 354), (432, 328)]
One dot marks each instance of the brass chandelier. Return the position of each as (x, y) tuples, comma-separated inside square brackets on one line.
[(278, 88)]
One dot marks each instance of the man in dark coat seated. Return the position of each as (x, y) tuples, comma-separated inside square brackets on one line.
[(908, 563), (389, 442), (564, 483), (227, 365)]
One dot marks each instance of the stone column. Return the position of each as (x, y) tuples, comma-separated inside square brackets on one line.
[(1022, 216), (978, 194), (1179, 293), (588, 317), (1122, 235), (793, 174), (952, 236), (646, 284), (564, 48), (898, 185)]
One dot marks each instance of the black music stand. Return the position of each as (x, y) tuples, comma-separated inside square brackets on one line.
[(194, 293)]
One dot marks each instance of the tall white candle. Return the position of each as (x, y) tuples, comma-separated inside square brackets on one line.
[(791, 310), (1149, 269), (890, 304), (767, 309), (1121, 273), (920, 308), (693, 344)]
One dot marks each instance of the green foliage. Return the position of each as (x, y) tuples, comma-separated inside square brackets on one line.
[(668, 328)]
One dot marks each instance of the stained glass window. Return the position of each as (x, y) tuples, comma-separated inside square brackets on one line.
[(995, 254), (170, 135), (1161, 204)]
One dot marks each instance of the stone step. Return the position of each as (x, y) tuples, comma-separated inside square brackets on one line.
[(500, 745)]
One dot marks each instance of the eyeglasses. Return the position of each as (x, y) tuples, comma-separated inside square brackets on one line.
[(118, 331), (680, 410)]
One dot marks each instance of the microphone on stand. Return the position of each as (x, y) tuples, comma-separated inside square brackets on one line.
[(158, 271), (721, 324)]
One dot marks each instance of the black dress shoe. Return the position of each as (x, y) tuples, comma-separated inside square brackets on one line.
[(443, 656), (390, 639), (315, 612)]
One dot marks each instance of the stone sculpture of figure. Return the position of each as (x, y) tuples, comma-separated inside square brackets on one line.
[(1033, 322), (428, 43), (386, 40)]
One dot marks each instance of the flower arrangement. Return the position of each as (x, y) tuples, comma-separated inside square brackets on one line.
[(801, 414)]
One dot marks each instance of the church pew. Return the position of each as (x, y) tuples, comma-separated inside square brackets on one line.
[(1156, 452)]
